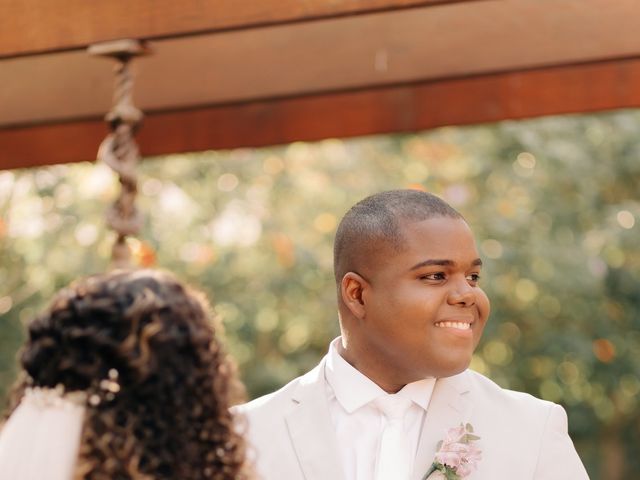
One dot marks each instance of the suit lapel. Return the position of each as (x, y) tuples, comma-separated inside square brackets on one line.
[(450, 405), (311, 429)]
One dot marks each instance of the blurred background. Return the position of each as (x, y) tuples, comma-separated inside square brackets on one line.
[(554, 200), (554, 203)]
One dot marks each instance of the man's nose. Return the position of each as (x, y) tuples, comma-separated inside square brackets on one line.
[(461, 293)]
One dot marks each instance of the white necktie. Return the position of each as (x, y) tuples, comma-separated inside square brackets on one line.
[(394, 458)]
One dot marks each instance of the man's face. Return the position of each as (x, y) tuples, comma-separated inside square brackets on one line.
[(425, 312)]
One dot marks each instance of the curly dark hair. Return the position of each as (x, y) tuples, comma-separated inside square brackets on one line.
[(167, 417)]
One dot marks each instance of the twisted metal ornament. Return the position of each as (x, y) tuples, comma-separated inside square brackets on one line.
[(119, 150)]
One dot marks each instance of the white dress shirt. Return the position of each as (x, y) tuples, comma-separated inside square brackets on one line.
[(359, 423)]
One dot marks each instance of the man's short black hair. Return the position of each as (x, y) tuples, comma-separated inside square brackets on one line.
[(374, 223)]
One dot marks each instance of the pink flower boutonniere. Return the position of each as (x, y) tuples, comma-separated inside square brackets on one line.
[(457, 455)]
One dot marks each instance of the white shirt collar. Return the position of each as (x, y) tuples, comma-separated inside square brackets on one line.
[(354, 390)]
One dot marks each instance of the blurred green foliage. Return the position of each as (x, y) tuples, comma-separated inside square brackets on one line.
[(554, 203)]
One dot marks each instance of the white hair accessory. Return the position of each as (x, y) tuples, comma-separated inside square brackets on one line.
[(40, 440)]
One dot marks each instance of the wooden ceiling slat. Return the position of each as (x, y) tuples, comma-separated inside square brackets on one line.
[(402, 108), (356, 52), (37, 26)]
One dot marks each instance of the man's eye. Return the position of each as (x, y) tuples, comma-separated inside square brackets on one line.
[(474, 278), (433, 276)]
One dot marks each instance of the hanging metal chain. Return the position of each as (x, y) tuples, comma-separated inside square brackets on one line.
[(119, 150)]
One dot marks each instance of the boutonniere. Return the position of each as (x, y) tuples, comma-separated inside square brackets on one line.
[(457, 455)]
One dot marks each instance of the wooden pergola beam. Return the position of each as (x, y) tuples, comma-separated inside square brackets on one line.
[(37, 26), (399, 108)]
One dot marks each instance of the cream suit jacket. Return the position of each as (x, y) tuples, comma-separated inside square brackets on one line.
[(522, 437)]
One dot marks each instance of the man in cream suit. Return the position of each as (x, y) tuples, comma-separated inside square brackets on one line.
[(390, 388)]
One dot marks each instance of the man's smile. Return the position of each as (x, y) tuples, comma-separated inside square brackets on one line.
[(457, 325)]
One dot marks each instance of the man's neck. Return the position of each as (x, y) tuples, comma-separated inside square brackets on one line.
[(385, 382)]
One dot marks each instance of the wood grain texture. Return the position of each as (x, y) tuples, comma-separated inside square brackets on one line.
[(338, 54), (36, 26), (395, 108)]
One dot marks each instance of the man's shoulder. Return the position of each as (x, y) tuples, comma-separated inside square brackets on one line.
[(270, 400), (281, 398), (499, 397), (541, 434)]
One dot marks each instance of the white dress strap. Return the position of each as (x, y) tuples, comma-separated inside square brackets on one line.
[(42, 436)]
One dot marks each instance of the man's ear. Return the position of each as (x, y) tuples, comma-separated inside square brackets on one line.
[(351, 290)]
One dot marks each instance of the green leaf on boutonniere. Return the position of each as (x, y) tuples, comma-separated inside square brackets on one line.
[(469, 427), (470, 438), (451, 475), (445, 470)]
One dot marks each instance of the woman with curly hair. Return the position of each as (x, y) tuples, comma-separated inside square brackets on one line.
[(124, 378)]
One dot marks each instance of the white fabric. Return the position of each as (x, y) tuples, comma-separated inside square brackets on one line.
[(292, 433), (40, 439), (394, 458), (359, 424)]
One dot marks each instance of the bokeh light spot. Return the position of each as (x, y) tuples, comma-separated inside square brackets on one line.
[(325, 222), (284, 249), (550, 390), (526, 160), (5, 304), (479, 365), (541, 367), (416, 186), (497, 352), (192, 252), (521, 170), (568, 372), (241, 352), (492, 248), (266, 320), (626, 219), (505, 208), (151, 187), (86, 234), (542, 268), (229, 314), (143, 253), (604, 350), (510, 331), (604, 409), (526, 290), (457, 194), (227, 182), (630, 385), (295, 337), (272, 165), (416, 172), (614, 256)]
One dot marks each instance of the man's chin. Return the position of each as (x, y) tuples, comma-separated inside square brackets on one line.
[(451, 369)]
